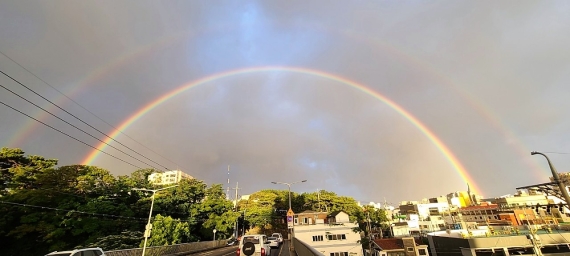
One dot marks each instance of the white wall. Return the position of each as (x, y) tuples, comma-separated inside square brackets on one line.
[(342, 217), (305, 233)]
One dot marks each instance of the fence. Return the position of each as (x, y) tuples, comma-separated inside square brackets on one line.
[(170, 250)]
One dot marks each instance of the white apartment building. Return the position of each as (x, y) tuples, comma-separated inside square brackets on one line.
[(330, 234), (424, 210), (169, 177)]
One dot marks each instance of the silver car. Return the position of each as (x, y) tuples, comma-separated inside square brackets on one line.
[(79, 252), (273, 242)]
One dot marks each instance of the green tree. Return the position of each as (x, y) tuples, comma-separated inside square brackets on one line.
[(18, 171), (168, 231), (125, 240)]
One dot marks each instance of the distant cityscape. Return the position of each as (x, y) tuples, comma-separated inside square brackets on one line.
[(533, 221)]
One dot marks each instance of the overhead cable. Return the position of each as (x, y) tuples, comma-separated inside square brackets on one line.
[(85, 143), (73, 125), (72, 211), (90, 112)]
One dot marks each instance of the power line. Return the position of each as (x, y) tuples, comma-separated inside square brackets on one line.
[(77, 119), (69, 135), (90, 112), (72, 211), (72, 124)]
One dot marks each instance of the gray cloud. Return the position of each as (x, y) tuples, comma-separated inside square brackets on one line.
[(488, 79)]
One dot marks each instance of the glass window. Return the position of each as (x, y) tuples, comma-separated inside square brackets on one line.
[(251, 239), (88, 253), (336, 237), (422, 252), (410, 249), (318, 238)]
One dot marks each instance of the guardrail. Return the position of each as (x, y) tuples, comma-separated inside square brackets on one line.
[(170, 250), (303, 249)]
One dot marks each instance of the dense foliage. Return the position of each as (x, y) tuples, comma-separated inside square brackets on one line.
[(60, 208)]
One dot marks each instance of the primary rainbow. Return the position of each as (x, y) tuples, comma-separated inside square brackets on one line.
[(412, 119)]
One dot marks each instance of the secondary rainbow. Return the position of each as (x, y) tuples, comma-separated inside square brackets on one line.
[(452, 159)]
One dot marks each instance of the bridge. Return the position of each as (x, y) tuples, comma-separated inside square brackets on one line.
[(214, 248)]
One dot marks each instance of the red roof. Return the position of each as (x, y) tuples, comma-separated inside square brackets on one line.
[(392, 243), (389, 243)]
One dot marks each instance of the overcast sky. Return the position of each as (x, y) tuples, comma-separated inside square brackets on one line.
[(488, 78)]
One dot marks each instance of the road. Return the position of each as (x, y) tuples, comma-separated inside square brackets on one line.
[(231, 251)]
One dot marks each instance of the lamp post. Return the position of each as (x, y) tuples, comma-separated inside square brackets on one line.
[(291, 230), (289, 185), (148, 227), (556, 179), (214, 234)]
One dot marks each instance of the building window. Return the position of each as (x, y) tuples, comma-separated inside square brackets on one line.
[(305, 220), (317, 238), (422, 252), (336, 237), (339, 254), (410, 249), (296, 221)]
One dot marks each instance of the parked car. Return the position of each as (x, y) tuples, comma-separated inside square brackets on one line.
[(257, 245), (232, 241), (273, 242), (278, 236), (79, 252)]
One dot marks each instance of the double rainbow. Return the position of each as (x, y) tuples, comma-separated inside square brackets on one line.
[(452, 159)]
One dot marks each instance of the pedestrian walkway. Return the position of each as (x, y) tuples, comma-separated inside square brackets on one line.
[(284, 250)]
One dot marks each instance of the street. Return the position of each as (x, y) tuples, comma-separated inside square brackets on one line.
[(231, 251)]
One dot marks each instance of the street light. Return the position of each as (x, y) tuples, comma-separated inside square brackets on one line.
[(291, 230), (289, 185), (556, 179), (148, 225)]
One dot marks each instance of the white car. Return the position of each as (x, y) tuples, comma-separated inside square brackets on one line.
[(273, 242), (278, 236), (257, 245), (79, 252)]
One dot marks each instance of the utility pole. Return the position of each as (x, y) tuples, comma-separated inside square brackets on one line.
[(319, 198), (556, 179), (228, 192), (369, 235), (235, 208)]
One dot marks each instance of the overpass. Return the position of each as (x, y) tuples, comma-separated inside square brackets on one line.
[(213, 248)]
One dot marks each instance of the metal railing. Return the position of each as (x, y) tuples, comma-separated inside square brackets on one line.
[(170, 250), (303, 249)]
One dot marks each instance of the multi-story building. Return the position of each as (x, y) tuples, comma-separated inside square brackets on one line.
[(482, 214), (424, 210), (168, 177), (403, 246), (478, 242), (330, 234)]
